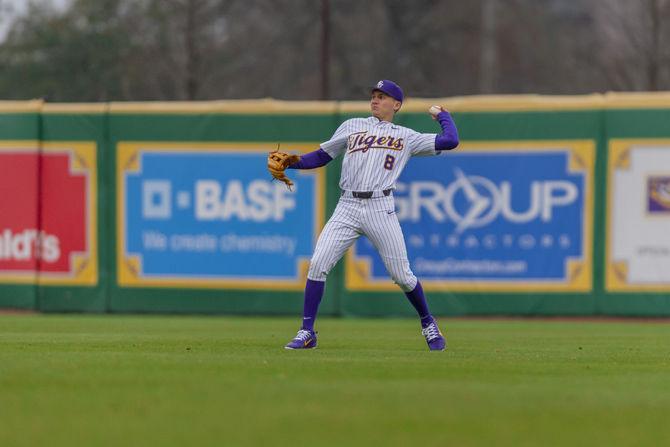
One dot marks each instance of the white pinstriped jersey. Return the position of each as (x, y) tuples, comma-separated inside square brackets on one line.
[(375, 152)]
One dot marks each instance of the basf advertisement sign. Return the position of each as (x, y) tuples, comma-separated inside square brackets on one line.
[(209, 215)]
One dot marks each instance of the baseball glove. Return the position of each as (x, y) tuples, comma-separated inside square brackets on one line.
[(277, 164)]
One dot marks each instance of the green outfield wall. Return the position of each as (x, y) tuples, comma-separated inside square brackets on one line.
[(550, 206)]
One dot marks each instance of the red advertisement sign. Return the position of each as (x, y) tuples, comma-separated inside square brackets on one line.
[(47, 214), (18, 211)]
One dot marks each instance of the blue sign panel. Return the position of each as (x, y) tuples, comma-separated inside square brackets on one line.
[(215, 217), (498, 217)]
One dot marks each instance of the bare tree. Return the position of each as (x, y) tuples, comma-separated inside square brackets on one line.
[(210, 49), (634, 38), (488, 48)]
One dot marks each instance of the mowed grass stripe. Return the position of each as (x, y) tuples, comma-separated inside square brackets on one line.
[(223, 381)]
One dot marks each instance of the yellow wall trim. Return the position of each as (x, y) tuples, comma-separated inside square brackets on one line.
[(459, 104)]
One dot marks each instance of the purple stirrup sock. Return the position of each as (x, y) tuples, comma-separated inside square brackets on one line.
[(418, 300), (313, 295)]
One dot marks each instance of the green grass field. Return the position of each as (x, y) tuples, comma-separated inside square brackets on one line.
[(215, 381)]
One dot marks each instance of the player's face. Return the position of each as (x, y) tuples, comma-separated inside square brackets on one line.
[(383, 106)]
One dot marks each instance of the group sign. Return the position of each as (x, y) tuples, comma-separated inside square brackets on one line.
[(209, 215), (492, 216)]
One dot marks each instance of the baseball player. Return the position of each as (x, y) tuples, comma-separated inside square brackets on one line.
[(375, 152)]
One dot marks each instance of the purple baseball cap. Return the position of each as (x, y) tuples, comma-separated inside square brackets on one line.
[(390, 88)]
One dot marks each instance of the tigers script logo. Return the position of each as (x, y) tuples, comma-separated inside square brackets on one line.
[(361, 141)]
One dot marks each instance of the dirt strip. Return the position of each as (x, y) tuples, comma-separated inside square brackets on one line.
[(576, 319), (17, 311)]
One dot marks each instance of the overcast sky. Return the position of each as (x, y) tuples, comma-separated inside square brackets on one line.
[(12, 8)]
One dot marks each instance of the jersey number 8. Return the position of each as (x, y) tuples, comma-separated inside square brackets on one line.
[(389, 161)]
